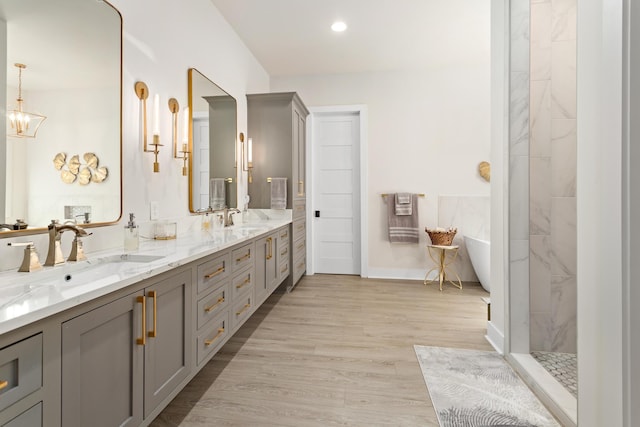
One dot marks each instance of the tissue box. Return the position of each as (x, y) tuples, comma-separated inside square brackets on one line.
[(165, 230)]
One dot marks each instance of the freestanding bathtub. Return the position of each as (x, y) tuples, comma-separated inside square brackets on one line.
[(480, 254)]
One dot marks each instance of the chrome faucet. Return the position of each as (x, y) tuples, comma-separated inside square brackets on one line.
[(54, 256), (227, 215)]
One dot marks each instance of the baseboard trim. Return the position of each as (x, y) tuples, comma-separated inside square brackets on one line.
[(398, 274)]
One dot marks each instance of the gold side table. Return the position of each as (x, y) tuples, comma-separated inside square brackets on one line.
[(438, 254)]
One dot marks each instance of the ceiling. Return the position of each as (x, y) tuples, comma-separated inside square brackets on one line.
[(293, 37)]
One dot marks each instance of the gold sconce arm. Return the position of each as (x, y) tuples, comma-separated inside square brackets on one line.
[(183, 152)]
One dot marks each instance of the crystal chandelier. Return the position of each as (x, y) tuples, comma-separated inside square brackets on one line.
[(23, 124)]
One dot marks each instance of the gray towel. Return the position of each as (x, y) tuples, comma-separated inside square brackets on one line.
[(403, 203), (217, 193), (403, 228), (278, 193)]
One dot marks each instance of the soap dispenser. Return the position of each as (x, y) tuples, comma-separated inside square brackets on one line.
[(131, 236), (206, 222)]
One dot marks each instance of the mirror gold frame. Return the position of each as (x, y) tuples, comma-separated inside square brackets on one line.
[(41, 228)]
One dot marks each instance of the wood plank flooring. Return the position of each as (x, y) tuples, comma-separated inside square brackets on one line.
[(337, 351)]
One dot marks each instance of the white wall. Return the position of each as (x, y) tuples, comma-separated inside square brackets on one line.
[(427, 132), (162, 39)]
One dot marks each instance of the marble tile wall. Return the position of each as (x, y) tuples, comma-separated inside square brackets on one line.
[(519, 142), (552, 162)]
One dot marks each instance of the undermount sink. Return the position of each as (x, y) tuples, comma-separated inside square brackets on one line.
[(132, 258)]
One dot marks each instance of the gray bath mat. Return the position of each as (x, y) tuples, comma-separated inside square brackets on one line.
[(471, 388)]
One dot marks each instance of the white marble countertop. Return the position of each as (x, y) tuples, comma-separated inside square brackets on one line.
[(29, 297)]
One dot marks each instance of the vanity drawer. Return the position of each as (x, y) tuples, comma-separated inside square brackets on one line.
[(299, 247), (212, 305), (212, 337), (242, 256), (299, 267), (283, 234), (241, 310), (284, 269), (211, 273), (242, 282), (20, 370), (299, 208), (32, 417), (299, 228)]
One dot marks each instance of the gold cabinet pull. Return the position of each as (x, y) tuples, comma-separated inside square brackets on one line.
[(246, 281), (220, 301), (247, 305), (300, 246), (284, 236), (143, 340), (300, 227), (212, 340), (246, 256), (300, 188), (301, 265), (153, 333), (215, 273), (270, 249), (284, 252), (3, 384), (284, 269)]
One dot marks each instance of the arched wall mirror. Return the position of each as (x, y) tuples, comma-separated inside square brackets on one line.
[(213, 130), (71, 170)]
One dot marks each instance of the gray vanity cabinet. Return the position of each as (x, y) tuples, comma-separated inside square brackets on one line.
[(102, 366), (277, 125), (121, 360)]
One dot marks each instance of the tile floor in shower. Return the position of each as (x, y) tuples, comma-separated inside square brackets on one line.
[(562, 366)]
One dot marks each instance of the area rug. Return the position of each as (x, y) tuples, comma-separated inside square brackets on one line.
[(471, 388)]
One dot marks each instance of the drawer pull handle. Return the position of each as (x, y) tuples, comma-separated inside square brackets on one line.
[(212, 340), (220, 301), (284, 269), (246, 256), (215, 273), (247, 305), (301, 265), (300, 188), (284, 252), (143, 340), (300, 246), (300, 208), (3, 384), (154, 332), (300, 227), (284, 236), (246, 281)]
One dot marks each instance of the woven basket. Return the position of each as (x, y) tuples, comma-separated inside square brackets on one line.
[(441, 238)]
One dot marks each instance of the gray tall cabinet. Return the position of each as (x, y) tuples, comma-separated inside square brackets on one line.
[(277, 125)]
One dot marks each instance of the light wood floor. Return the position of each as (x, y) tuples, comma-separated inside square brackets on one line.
[(338, 350)]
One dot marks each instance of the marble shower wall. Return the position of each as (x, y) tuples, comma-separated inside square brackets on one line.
[(552, 186)]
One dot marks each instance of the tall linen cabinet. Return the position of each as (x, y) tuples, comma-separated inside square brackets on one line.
[(277, 126)]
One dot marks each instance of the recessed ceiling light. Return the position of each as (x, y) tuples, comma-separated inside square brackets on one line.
[(339, 26)]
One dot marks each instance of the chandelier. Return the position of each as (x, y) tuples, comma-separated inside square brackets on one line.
[(22, 123)]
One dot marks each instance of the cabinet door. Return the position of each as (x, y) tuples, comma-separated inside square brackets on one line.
[(102, 365), (167, 358), (302, 155), (266, 271)]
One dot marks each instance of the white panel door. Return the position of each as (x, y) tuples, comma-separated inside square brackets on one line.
[(201, 168), (336, 199)]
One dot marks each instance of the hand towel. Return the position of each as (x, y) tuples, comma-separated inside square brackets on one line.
[(403, 228), (217, 193), (278, 193), (403, 203)]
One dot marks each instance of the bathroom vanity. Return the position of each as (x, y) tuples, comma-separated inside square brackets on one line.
[(110, 341)]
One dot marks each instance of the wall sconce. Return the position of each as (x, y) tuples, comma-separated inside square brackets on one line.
[(247, 156), (143, 93), (182, 154), (23, 124)]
